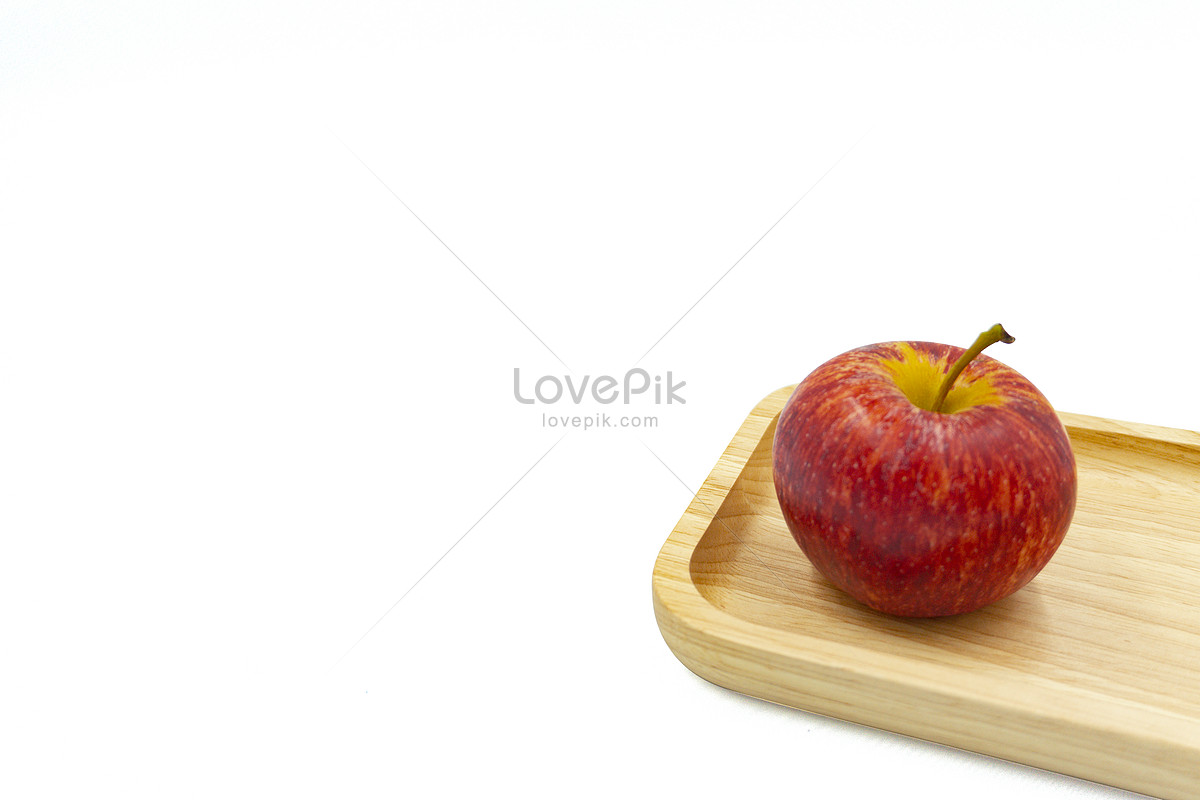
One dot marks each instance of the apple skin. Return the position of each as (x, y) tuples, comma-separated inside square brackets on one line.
[(919, 513)]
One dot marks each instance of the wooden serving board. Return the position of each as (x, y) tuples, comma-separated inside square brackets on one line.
[(1092, 670)]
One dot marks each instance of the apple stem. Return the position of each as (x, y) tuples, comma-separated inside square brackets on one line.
[(994, 334)]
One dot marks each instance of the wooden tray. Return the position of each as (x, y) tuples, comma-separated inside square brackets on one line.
[(1092, 670)]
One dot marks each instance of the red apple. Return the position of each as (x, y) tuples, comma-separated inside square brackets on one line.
[(920, 512)]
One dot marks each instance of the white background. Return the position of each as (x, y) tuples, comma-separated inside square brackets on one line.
[(247, 399)]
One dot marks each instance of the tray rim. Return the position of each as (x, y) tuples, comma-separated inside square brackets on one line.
[(728, 650)]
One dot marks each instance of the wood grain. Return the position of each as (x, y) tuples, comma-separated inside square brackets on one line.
[(1092, 670)]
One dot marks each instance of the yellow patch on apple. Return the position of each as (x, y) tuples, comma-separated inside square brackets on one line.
[(918, 377)]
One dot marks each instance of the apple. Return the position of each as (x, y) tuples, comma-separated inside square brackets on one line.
[(922, 479)]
